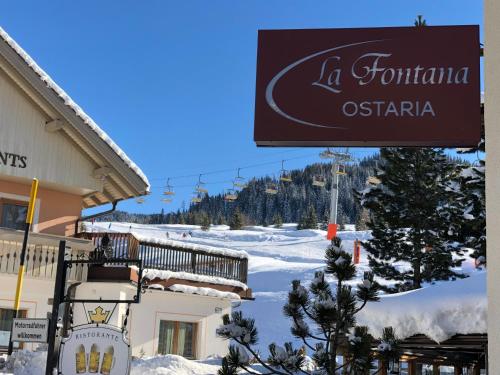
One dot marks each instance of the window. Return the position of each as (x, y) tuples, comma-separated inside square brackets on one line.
[(13, 215), (6, 316), (177, 338)]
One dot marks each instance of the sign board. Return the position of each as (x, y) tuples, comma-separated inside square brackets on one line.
[(399, 86), (95, 348), (30, 330)]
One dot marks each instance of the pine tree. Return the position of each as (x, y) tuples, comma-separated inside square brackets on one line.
[(205, 222), (309, 220), (406, 211), (236, 221), (322, 317), (277, 221)]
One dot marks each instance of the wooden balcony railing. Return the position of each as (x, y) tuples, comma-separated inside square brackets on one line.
[(41, 254), (185, 258)]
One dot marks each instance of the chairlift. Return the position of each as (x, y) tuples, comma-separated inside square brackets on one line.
[(230, 195), (319, 181), (169, 190), (372, 180), (200, 186), (140, 200), (167, 200), (271, 188), (341, 170), (239, 182), (197, 197), (327, 154), (285, 175)]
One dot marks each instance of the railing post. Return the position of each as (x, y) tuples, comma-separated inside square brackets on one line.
[(193, 262)]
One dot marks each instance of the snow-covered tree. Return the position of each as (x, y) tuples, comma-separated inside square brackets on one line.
[(236, 221), (406, 217), (322, 317)]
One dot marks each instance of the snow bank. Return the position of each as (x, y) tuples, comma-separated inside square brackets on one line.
[(72, 104), (172, 365), (209, 292), (152, 274), (437, 311)]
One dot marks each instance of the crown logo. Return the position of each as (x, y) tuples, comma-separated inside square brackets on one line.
[(99, 315)]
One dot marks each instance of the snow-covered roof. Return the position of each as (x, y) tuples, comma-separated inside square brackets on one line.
[(192, 246), (209, 292), (437, 311), (72, 104), (152, 274)]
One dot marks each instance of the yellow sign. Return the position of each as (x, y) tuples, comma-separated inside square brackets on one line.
[(99, 315)]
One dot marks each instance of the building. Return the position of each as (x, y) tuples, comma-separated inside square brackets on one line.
[(45, 134)]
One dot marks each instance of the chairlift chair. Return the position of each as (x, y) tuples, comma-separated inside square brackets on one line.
[(140, 200), (167, 200), (169, 190), (341, 170), (230, 195), (197, 198), (285, 175), (372, 180), (271, 189), (200, 186), (319, 181), (239, 182)]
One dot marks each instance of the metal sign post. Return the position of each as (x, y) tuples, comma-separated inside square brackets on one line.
[(59, 291), (20, 272)]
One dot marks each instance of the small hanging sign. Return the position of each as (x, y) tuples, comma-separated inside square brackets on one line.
[(95, 348)]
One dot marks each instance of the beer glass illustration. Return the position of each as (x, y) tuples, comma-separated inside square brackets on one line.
[(94, 358), (81, 359), (107, 361)]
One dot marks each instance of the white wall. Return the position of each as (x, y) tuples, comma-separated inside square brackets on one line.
[(160, 305), (144, 318), (34, 298)]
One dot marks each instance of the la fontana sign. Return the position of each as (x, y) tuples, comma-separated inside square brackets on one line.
[(368, 87)]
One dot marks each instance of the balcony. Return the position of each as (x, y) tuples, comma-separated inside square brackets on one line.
[(41, 254), (174, 256)]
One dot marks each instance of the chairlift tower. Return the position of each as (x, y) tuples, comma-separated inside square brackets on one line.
[(338, 168)]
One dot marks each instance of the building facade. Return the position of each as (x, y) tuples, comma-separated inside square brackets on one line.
[(44, 134)]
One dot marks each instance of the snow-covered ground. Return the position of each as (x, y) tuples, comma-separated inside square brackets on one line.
[(278, 256)]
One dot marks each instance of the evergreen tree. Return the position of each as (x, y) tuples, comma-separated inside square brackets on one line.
[(205, 222), (309, 221), (321, 316), (236, 221), (406, 211), (277, 221)]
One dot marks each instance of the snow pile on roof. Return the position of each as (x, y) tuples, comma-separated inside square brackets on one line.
[(72, 104), (209, 292), (437, 311), (192, 246), (153, 274)]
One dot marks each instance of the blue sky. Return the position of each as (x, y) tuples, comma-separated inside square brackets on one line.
[(173, 82)]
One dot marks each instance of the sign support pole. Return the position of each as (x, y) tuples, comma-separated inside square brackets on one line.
[(20, 272), (58, 296), (332, 223)]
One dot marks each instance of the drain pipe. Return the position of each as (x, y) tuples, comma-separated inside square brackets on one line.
[(95, 216)]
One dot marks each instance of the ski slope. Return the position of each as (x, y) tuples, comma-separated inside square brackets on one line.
[(279, 255)]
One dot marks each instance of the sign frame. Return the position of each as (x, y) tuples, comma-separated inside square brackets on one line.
[(402, 86), (44, 332)]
